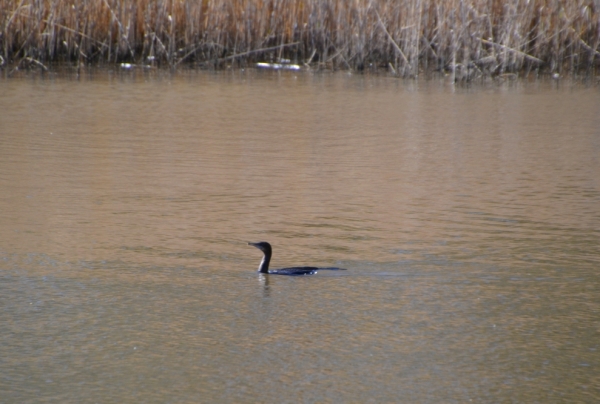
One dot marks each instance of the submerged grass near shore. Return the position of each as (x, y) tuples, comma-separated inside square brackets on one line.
[(470, 38)]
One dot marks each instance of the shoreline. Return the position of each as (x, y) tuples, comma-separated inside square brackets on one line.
[(130, 72), (469, 39)]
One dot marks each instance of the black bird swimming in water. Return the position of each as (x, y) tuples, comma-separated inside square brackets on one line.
[(294, 271)]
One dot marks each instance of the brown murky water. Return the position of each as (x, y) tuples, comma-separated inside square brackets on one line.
[(468, 220)]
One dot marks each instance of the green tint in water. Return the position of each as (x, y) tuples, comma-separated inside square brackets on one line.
[(468, 221)]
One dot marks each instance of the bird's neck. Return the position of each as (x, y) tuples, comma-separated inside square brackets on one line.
[(264, 264)]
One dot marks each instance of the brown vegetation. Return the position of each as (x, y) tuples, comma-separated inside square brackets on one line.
[(465, 36)]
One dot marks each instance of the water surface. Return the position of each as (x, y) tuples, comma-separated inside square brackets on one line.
[(468, 219)]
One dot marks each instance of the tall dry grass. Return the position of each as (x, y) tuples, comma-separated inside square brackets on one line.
[(468, 37)]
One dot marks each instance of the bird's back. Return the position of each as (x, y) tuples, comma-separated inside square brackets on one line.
[(297, 271)]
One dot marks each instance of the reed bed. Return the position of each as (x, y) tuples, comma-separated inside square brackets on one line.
[(467, 37)]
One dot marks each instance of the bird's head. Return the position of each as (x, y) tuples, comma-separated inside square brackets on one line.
[(263, 246)]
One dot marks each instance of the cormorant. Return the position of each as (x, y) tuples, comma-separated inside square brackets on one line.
[(294, 271)]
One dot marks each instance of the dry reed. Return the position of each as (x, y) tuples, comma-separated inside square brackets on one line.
[(467, 37)]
